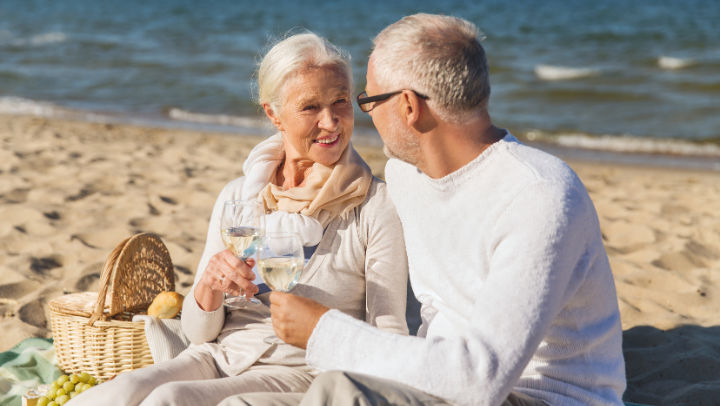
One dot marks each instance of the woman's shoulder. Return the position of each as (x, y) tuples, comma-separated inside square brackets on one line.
[(233, 190), (377, 193), (377, 202)]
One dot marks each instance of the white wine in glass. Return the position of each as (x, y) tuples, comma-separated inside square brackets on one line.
[(281, 260), (241, 224)]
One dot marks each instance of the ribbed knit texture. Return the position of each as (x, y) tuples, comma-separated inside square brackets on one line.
[(507, 259)]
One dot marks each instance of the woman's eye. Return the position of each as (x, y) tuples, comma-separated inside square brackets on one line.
[(307, 108)]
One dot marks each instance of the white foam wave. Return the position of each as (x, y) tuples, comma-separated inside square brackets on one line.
[(48, 38), (35, 40), (548, 72), (221, 119), (668, 62), (17, 105), (637, 145)]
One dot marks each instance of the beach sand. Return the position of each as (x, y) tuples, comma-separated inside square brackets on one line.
[(71, 191)]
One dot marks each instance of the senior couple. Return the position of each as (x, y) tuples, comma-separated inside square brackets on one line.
[(503, 249)]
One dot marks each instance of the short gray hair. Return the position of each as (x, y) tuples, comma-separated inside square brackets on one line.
[(439, 56), (293, 55)]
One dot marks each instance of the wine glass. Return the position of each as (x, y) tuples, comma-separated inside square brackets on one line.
[(241, 223), (280, 262)]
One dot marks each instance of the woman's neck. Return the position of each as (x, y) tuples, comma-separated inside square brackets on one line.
[(293, 172)]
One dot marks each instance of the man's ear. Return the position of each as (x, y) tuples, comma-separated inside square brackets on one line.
[(270, 113), (410, 107)]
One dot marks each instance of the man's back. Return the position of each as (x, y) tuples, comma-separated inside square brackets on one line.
[(506, 254)]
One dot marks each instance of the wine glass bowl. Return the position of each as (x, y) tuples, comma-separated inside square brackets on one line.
[(281, 260), (241, 224)]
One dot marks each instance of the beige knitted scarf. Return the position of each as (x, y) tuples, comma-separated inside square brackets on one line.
[(329, 191)]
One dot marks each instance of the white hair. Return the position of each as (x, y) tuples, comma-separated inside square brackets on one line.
[(438, 56), (293, 55)]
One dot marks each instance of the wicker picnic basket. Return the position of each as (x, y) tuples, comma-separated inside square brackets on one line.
[(94, 332)]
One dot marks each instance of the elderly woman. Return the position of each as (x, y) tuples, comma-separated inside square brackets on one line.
[(312, 181)]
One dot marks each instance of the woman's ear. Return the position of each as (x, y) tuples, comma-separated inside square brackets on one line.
[(270, 113)]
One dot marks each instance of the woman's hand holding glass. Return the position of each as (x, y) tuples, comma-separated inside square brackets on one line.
[(241, 224), (225, 274)]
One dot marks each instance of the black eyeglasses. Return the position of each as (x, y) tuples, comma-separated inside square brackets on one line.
[(368, 103)]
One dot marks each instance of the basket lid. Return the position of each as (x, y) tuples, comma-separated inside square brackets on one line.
[(142, 270)]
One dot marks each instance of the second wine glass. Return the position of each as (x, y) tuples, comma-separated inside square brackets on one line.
[(281, 260), (241, 224)]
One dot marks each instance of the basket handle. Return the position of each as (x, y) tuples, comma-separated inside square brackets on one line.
[(107, 272)]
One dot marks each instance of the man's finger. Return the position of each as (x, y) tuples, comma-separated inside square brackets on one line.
[(278, 298)]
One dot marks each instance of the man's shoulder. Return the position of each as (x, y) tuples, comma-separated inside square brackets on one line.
[(540, 164), (529, 165)]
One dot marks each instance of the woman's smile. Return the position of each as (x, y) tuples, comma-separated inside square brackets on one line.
[(327, 141)]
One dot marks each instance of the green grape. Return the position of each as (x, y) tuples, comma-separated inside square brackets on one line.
[(69, 386), (55, 385), (62, 379), (59, 393), (52, 404), (73, 394), (86, 387), (84, 377), (51, 393), (74, 378), (43, 401), (92, 381), (62, 400)]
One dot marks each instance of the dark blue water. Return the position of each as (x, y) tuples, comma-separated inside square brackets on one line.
[(641, 68)]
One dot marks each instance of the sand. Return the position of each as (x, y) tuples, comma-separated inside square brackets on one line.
[(71, 191)]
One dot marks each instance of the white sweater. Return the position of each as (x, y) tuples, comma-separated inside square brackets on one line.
[(507, 259)]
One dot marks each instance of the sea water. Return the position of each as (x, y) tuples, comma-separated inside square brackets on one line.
[(612, 74)]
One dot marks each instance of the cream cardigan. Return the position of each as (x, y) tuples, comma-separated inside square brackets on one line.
[(359, 268)]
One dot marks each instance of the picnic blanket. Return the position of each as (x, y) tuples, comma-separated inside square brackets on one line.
[(28, 365)]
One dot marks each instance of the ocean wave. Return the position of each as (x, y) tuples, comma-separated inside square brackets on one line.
[(668, 62), (221, 119), (548, 72), (12, 105), (631, 144), (6, 37), (20, 106)]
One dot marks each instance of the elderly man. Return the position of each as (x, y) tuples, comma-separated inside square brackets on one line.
[(504, 246)]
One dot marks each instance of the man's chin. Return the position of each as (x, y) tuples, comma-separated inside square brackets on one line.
[(389, 153), (392, 155)]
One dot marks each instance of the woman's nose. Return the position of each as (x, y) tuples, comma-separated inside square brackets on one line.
[(328, 121)]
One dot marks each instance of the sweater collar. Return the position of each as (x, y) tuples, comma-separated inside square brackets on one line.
[(470, 169)]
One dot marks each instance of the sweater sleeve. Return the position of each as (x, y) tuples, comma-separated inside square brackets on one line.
[(386, 266), (198, 325), (537, 252)]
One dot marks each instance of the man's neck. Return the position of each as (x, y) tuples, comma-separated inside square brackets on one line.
[(449, 147)]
